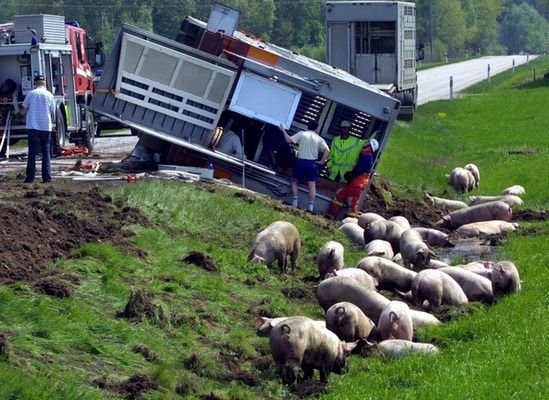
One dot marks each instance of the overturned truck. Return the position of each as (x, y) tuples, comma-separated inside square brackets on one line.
[(183, 91)]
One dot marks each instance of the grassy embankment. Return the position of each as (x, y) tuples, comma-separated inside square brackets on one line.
[(204, 321)]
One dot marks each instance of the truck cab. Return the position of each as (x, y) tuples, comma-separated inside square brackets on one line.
[(44, 45)]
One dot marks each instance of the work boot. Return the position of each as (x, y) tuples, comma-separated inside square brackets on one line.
[(351, 214)]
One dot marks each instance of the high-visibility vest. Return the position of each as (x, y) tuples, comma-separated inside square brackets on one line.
[(343, 155)]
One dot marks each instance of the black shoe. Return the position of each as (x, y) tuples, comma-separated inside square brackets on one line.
[(27, 181)]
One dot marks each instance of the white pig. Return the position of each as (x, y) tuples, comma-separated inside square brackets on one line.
[(379, 248), (445, 204), (330, 257), (475, 287), (510, 199), (486, 228), (505, 279), (353, 232), (399, 348), (473, 169), (388, 275), (366, 218), (414, 251), (348, 322), (483, 212), (395, 321), (516, 190), (276, 242), (437, 288), (266, 324), (298, 344), (402, 221), (358, 275)]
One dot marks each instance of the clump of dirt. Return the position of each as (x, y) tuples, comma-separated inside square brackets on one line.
[(529, 215), (40, 225), (309, 388), (132, 388), (245, 196), (246, 378), (5, 346), (142, 303), (55, 287), (201, 260), (147, 353), (299, 292)]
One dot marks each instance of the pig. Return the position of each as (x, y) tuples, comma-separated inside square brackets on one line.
[(434, 237), (348, 322), (399, 348), (505, 279), (483, 212), (298, 344), (475, 287), (387, 274), (338, 288), (402, 221), (353, 232), (366, 218), (437, 288), (445, 204), (414, 251), (397, 258), (276, 242), (436, 264), (508, 198), (267, 325), (422, 318), (486, 228), (395, 321), (482, 268), (379, 248), (473, 169), (358, 275), (330, 257), (515, 190), (347, 220), (461, 180), (384, 230)]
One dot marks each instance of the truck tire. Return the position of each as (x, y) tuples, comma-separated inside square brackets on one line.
[(88, 137), (58, 136)]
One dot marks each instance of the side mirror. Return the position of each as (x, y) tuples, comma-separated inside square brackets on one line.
[(420, 52)]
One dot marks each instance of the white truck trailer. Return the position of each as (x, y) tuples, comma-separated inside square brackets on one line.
[(179, 93), (376, 42)]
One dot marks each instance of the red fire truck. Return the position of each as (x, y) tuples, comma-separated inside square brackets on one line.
[(45, 44)]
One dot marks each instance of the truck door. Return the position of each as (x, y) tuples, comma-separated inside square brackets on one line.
[(339, 45), (186, 94)]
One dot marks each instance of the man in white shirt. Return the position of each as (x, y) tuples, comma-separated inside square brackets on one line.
[(230, 142), (39, 105), (306, 168)]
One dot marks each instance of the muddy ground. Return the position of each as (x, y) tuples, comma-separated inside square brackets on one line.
[(41, 223)]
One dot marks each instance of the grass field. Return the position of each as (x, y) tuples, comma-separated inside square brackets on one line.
[(199, 342)]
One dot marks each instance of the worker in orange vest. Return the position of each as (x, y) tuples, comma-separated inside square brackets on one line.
[(357, 179)]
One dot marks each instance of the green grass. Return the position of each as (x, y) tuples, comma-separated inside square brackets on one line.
[(204, 322)]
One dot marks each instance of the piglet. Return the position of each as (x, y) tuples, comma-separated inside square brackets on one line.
[(348, 322), (276, 242)]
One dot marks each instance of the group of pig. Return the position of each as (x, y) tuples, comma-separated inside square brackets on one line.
[(399, 258)]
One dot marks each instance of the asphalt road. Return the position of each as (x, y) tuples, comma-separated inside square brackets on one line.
[(434, 83)]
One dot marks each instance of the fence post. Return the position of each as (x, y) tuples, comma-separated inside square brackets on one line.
[(527, 58), (513, 65), (488, 73), (451, 88), (446, 57), (534, 74), (466, 54)]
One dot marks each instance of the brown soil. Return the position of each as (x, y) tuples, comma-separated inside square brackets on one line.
[(132, 388), (201, 260), (5, 346), (147, 353), (530, 215), (42, 223)]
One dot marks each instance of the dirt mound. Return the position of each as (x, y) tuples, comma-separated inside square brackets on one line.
[(201, 260), (132, 388), (529, 215), (39, 224), (383, 200)]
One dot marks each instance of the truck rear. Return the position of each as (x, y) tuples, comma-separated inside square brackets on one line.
[(376, 41), (183, 92)]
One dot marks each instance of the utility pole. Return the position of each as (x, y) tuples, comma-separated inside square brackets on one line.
[(431, 27)]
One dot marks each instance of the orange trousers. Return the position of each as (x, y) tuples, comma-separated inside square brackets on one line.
[(351, 193)]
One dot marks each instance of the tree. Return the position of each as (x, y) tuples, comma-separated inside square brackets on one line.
[(524, 29)]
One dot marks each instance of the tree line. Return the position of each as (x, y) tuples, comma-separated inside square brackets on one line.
[(450, 28)]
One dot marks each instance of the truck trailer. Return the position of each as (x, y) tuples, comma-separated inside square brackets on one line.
[(181, 92), (45, 45), (376, 42)]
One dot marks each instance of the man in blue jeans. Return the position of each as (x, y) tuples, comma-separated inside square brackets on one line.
[(39, 106)]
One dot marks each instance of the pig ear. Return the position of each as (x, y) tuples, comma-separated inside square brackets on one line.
[(261, 320), (335, 272), (340, 310), (432, 253), (393, 317), (350, 346)]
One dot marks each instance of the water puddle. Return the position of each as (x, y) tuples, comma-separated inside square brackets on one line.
[(467, 249)]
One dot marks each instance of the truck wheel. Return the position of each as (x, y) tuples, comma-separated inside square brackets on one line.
[(91, 129), (58, 136)]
